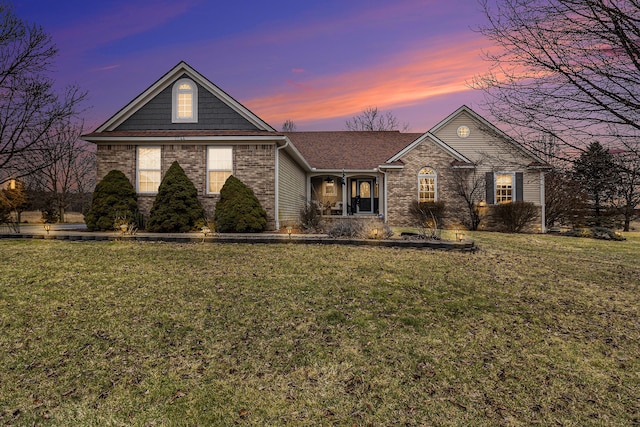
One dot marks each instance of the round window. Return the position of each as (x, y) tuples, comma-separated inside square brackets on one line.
[(463, 131)]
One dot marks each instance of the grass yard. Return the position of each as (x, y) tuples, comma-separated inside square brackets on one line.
[(530, 330)]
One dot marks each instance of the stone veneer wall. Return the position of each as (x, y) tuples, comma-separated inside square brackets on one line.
[(253, 165), (403, 184)]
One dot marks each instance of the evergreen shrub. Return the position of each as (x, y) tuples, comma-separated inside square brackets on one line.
[(114, 197), (238, 210), (176, 207)]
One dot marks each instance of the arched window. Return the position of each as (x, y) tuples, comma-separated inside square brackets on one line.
[(427, 185), (185, 101)]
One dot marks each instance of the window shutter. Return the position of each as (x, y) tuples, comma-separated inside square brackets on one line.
[(519, 187), (489, 187)]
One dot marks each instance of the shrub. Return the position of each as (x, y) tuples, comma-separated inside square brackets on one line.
[(595, 233), (428, 217), (310, 216), (176, 207), (239, 210), (49, 211), (113, 197), (359, 229), (345, 228), (515, 217)]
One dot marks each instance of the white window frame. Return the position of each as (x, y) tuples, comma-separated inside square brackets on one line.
[(495, 186), (434, 175), (210, 150), (175, 94), (156, 168), (463, 131)]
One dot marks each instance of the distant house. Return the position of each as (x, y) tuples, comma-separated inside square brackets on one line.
[(185, 117)]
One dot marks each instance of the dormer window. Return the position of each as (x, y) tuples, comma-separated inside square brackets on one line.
[(185, 101)]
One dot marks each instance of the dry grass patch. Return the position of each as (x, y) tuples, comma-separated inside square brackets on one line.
[(529, 330)]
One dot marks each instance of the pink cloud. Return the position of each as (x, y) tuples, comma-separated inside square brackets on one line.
[(409, 78), (297, 70)]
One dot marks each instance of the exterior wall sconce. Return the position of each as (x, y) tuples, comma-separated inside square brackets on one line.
[(47, 227)]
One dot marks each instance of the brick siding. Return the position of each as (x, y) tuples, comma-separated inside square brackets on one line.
[(403, 184), (253, 165)]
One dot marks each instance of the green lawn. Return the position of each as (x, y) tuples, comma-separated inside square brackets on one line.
[(529, 330)]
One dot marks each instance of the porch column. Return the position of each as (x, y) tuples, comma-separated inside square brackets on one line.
[(345, 188)]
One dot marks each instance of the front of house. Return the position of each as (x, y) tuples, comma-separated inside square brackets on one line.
[(186, 118)]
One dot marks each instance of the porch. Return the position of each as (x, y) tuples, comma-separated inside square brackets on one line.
[(342, 195)]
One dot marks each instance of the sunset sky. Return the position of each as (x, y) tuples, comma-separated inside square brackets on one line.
[(317, 63)]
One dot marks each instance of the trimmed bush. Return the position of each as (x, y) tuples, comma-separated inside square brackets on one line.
[(515, 217), (114, 197), (238, 210), (176, 207)]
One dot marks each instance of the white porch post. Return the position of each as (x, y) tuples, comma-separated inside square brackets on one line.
[(345, 189)]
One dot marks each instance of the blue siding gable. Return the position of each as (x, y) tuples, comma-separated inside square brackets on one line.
[(213, 114)]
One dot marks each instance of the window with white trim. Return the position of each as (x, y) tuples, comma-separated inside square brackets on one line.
[(427, 185), (185, 101), (219, 167), (505, 187), (463, 131), (148, 169)]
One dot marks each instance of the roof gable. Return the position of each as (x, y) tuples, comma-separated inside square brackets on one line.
[(487, 127), (233, 114), (428, 136)]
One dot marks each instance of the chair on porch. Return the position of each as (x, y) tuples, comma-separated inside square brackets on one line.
[(336, 209)]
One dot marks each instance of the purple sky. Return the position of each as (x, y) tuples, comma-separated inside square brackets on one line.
[(317, 63)]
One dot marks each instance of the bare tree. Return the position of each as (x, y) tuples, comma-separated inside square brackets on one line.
[(565, 200), (29, 106), (628, 186), (469, 186), (13, 202), (372, 119), (69, 166), (567, 69), (289, 126)]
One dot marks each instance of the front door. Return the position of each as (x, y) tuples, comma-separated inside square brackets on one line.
[(364, 196)]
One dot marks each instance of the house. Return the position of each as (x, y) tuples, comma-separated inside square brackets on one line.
[(185, 117)]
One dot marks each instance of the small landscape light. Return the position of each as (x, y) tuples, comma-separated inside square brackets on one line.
[(289, 230), (375, 233), (47, 227), (457, 234), (123, 228)]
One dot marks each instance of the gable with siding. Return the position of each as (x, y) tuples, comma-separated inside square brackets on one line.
[(213, 114)]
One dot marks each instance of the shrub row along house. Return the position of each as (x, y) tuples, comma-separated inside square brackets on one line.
[(184, 117)]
